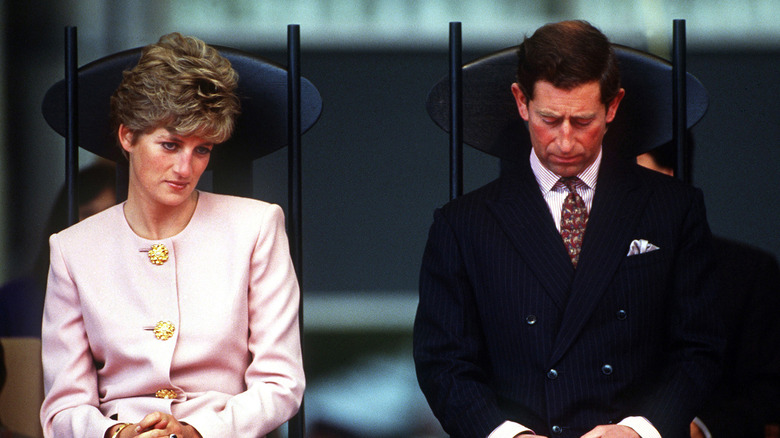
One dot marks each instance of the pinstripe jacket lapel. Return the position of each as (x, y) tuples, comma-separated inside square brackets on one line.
[(617, 207), (525, 218)]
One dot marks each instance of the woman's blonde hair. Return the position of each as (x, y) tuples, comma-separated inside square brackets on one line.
[(182, 84)]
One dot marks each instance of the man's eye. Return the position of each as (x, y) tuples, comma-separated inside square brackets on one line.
[(582, 122), (549, 121)]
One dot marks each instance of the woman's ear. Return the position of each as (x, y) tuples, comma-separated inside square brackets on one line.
[(126, 137)]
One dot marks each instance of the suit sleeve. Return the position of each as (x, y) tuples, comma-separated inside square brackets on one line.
[(449, 350), (70, 408), (696, 334), (274, 378)]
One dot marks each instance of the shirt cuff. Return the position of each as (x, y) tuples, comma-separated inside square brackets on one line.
[(508, 429), (642, 426), (703, 427)]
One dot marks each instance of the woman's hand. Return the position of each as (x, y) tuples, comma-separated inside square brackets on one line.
[(158, 425)]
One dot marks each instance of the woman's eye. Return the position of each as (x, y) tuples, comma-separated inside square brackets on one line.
[(203, 150), (169, 146)]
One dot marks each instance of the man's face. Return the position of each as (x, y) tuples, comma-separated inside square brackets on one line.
[(566, 126)]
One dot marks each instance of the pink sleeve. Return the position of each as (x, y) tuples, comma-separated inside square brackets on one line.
[(70, 379), (275, 379)]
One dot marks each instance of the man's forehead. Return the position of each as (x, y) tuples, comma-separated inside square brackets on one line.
[(592, 87)]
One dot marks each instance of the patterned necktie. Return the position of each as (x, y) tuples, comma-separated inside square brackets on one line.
[(574, 217)]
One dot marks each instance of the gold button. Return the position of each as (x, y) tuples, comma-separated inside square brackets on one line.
[(165, 393), (164, 330), (158, 254)]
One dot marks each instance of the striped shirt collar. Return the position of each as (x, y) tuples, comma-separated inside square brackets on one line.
[(547, 179)]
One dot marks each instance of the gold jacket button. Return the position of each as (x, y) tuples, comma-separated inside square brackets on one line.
[(158, 254), (165, 393), (164, 330)]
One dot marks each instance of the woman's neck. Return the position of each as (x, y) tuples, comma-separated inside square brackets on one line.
[(154, 222)]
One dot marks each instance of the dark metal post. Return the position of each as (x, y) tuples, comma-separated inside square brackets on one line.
[(456, 111), (72, 125), (679, 101), (296, 424)]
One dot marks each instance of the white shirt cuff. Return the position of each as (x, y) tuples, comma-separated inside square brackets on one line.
[(703, 427), (508, 429), (642, 426)]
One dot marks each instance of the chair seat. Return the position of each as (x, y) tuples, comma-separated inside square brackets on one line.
[(22, 395)]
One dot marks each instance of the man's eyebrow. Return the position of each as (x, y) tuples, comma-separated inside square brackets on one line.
[(546, 113)]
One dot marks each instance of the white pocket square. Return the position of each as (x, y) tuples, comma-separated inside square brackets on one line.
[(640, 246)]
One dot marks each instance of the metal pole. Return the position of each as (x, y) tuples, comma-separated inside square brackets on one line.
[(72, 125), (679, 101), (296, 424), (456, 111)]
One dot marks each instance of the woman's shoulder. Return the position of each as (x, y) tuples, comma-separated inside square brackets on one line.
[(236, 207), (219, 201), (95, 225)]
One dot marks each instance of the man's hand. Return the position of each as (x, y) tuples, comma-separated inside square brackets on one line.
[(612, 431)]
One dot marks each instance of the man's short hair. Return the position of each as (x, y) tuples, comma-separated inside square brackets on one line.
[(568, 54)]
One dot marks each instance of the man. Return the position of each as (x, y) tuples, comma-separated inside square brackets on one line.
[(745, 401), (521, 330)]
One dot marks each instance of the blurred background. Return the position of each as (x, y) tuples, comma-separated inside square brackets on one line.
[(375, 166)]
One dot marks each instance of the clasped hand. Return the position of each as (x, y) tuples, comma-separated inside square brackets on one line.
[(158, 425), (606, 431)]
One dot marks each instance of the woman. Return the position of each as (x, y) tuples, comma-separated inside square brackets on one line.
[(175, 312)]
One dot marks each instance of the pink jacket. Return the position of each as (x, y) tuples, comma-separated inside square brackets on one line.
[(233, 362)]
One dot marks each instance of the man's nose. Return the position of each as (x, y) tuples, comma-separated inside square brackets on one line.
[(565, 136)]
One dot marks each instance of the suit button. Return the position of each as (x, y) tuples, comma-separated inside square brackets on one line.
[(621, 314), (557, 429), (165, 393), (552, 374), (606, 369), (530, 319)]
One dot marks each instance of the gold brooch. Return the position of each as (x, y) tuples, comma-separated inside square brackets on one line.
[(164, 330), (158, 254), (165, 393)]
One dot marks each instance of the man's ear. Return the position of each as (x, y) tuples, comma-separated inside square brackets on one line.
[(521, 100), (613, 106)]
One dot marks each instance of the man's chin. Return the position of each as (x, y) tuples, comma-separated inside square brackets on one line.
[(566, 171)]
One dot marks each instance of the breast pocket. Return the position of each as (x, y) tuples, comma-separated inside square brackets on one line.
[(644, 260), (642, 284)]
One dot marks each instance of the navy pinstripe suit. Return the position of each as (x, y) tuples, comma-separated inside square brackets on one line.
[(507, 330)]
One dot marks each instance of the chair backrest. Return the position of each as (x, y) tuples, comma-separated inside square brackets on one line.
[(22, 394), (277, 107), (261, 129), (491, 123)]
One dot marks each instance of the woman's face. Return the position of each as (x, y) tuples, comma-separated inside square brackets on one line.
[(164, 167)]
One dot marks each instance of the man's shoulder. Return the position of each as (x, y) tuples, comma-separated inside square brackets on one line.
[(659, 182), (477, 198)]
